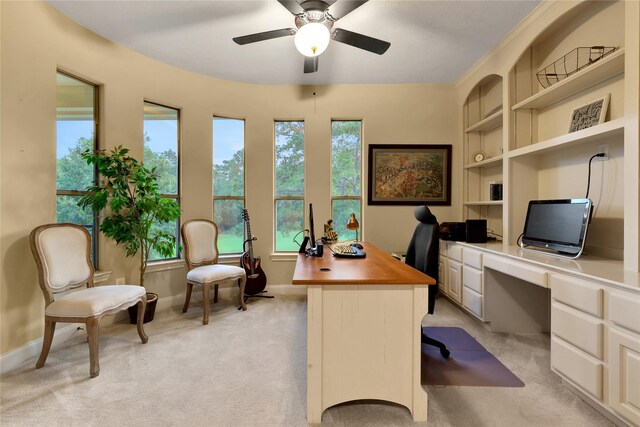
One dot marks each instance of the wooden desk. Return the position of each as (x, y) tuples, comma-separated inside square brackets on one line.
[(363, 330)]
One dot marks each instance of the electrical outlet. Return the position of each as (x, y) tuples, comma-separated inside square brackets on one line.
[(120, 281), (604, 148)]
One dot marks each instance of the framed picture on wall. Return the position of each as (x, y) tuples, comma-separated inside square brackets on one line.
[(409, 174), (590, 114)]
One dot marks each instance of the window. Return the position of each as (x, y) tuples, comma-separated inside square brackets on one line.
[(346, 175), (228, 183), (76, 131), (161, 139), (289, 184)]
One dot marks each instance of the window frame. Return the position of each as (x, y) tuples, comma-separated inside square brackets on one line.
[(244, 177), (95, 232), (277, 198), (176, 196), (359, 198)]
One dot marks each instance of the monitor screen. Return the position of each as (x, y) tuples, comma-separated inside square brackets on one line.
[(558, 225), (312, 232)]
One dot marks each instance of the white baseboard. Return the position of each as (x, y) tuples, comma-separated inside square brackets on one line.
[(17, 357)]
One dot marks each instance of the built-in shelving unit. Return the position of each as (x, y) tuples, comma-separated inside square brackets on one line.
[(494, 161), (609, 66), (607, 130), (543, 160), (484, 203), (483, 119), (484, 125)]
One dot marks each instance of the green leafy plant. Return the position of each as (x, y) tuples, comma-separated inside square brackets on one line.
[(130, 191)]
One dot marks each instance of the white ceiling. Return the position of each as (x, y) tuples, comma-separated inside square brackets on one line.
[(432, 41)]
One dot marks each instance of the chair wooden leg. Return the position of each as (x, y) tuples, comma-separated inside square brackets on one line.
[(215, 294), (49, 329), (142, 304), (242, 283), (187, 298), (93, 334), (205, 303)]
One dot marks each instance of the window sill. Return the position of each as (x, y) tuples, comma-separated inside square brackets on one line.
[(101, 276), (171, 264), (284, 257), (230, 259)]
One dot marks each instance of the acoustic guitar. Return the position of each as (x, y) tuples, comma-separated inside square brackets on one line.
[(256, 279)]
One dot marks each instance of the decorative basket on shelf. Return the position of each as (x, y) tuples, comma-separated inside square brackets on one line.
[(571, 63)]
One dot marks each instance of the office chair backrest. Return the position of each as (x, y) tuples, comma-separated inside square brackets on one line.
[(423, 250)]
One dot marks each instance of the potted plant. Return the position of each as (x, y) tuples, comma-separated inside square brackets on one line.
[(130, 191)]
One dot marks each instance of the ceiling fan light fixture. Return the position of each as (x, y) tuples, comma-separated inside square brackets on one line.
[(312, 39)]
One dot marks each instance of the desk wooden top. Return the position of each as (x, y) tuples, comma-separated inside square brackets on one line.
[(377, 268)]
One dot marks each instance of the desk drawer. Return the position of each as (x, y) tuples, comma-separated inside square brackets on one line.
[(534, 275), (583, 331), (472, 258), (577, 294), (625, 311), (577, 366), (472, 301), (454, 251), (472, 278)]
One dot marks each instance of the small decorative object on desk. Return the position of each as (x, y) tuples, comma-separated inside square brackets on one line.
[(570, 63), (330, 234), (588, 115)]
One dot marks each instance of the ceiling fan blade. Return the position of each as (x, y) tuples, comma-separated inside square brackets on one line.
[(310, 64), (343, 8), (360, 41), (292, 6), (267, 35)]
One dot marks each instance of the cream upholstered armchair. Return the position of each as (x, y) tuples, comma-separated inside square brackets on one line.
[(64, 263), (200, 238)]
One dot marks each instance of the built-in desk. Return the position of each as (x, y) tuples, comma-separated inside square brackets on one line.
[(590, 306), (363, 330)]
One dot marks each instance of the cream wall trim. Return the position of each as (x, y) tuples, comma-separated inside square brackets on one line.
[(631, 135), (15, 358), (171, 264), (280, 257), (101, 276)]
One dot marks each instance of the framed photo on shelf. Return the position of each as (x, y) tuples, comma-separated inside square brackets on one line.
[(409, 174), (590, 114)]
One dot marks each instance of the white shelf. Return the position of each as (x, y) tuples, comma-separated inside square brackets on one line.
[(484, 125), (489, 163), (484, 203), (609, 66), (595, 133)]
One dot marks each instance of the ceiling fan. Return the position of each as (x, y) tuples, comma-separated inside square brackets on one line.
[(314, 29)]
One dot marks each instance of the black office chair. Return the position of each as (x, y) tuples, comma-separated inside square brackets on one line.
[(422, 254)]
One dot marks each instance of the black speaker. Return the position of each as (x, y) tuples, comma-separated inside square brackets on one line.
[(495, 191), (453, 231), (476, 230)]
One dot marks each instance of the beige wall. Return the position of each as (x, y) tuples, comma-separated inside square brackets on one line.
[(36, 40)]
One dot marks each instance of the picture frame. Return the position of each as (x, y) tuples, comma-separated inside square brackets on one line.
[(409, 174), (588, 115)]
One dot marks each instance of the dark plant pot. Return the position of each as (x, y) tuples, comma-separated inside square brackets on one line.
[(150, 310)]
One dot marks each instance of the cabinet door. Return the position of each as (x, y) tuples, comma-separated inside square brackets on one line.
[(624, 374), (454, 279), (442, 275)]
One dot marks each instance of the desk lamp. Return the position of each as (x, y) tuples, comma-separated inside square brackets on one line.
[(353, 224)]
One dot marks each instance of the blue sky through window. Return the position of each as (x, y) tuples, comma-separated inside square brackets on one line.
[(228, 137)]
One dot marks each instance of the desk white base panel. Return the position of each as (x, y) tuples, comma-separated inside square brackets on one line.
[(364, 343)]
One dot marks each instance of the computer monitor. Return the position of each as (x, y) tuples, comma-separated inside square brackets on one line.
[(557, 225), (312, 232)]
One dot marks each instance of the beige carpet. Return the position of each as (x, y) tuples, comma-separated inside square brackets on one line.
[(248, 369)]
